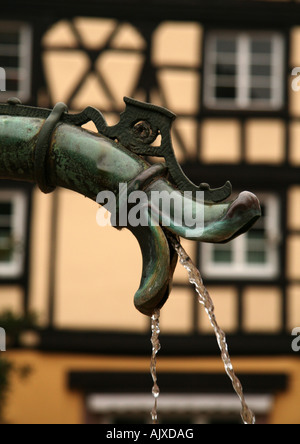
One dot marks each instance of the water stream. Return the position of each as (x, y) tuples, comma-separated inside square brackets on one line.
[(155, 349), (205, 299)]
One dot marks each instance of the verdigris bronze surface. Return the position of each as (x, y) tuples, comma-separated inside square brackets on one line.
[(51, 149)]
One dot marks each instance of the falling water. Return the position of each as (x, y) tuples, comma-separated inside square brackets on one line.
[(205, 299), (155, 349)]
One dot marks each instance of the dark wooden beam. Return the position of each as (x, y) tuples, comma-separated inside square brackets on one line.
[(254, 177), (127, 344), (210, 12), (194, 383)]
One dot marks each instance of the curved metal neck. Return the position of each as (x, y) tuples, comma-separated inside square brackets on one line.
[(76, 159)]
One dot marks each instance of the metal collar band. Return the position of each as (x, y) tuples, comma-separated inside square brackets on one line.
[(42, 147)]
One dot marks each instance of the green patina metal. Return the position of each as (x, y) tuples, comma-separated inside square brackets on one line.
[(51, 149), (139, 127)]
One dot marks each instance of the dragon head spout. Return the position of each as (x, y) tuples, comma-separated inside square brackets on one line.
[(51, 149)]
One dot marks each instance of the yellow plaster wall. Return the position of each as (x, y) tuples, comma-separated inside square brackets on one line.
[(221, 141), (265, 141), (11, 299), (44, 398), (99, 270)]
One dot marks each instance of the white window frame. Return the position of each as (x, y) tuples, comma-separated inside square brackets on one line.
[(24, 53), (199, 407), (239, 267), (14, 268), (243, 101)]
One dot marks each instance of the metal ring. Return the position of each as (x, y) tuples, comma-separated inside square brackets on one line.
[(42, 147)]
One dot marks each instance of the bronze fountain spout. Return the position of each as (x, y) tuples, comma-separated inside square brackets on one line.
[(51, 149)]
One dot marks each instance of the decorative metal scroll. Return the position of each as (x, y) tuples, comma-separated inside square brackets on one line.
[(139, 127)]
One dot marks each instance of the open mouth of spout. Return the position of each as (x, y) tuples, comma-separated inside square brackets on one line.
[(242, 214), (230, 220), (214, 223), (224, 222)]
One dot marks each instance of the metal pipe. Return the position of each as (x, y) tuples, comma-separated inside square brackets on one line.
[(88, 163)]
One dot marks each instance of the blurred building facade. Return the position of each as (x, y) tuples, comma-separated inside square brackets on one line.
[(225, 68)]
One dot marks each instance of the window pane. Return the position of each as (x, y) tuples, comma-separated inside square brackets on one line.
[(225, 70), (222, 255), (10, 38), (6, 248), (12, 85), (256, 234), (226, 45), (261, 70), (256, 257), (261, 46), (261, 59), (261, 94), (5, 209), (12, 232), (224, 92), (9, 61)]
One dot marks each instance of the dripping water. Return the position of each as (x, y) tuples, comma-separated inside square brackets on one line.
[(205, 299), (155, 349)]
